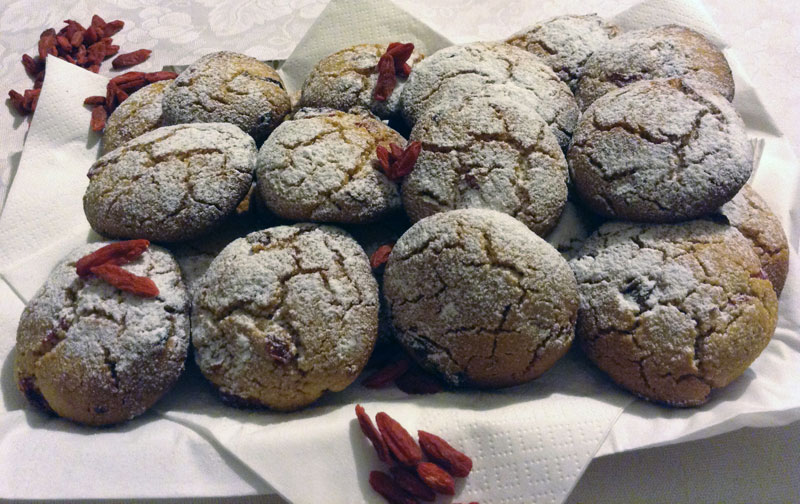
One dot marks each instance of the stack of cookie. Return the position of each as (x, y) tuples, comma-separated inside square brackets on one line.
[(513, 145)]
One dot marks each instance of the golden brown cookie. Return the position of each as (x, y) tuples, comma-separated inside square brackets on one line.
[(672, 311), (478, 298)]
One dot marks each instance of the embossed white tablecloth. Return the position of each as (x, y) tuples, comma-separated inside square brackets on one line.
[(270, 30)]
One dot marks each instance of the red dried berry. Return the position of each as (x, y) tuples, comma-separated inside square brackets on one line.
[(440, 451), (386, 486), (386, 78), (380, 256), (436, 478), (118, 253), (159, 76), (399, 441), (131, 58), (99, 116), (410, 482), (125, 280), (387, 374), (18, 101), (369, 430)]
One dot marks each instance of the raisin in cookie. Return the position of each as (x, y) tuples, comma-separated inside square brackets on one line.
[(565, 42), (322, 166), (750, 214), (672, 311), (488, 150), (95, 354), (654, 53), (228, 87), (284, 315), (171, 184), (137, 115), (346, 80), (457, 71), (480, 299), (659, 151)]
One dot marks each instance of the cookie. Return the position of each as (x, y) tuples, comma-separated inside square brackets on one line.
[(137, 115), (457, 71), (488, 150), (750, 214), (322, 166), (565, 42), (97, 355), (662, 52), (659, 151), (672, 311), (346, 80), (284, 315), (175, 183), (228, 87), (478, 298)]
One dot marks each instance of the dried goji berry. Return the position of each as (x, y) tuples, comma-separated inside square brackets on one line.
[(18, 101), (440, 451), (118, 253), (386, 486), (387, 374), (131, 86), (159, 76), (383, 157), (95, 100), (399, 441), (400, 54), (380, 256), (99, 116), (125, 280), (405, 164), (410, 482), (369, 430), (76, 39), (436, 478), (386, 78), (32, 66), (112, 27), (47, 44), (131, 58), (64, 44)]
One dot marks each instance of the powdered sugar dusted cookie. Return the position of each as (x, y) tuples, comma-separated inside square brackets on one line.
[(750, 214), (457, 71), (284, 315), (488, 150), (654, 53), (95, 354), (346, 80), (137, 115), (659, 151), (322, 166), (172, 184), (480, 299), (565, 42), (672, 311), (228, 87)]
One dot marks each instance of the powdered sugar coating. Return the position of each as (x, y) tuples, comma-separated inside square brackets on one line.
[(171, 184), (305, 288), (672, 311), (322, 166), (452, 73), (659, 151), (480, 299), (750, 214), (654, 53), (98, 355), (491, 150), (137, 115), (228, 87), (565, 42), (346, 79)]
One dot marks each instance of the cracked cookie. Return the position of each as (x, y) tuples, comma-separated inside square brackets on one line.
[(346, 80), (489, 150), (97, 355), (662, 52), (452, 73), (480, 299), (672, 311), (228, 87), (565, 43), (659, 151), (322, 166), (750, 214), (137, 115), (284, 315), (171, 184)]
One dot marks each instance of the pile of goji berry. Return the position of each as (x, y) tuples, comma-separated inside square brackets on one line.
[(117, 91), (105, 263), (412, 479), (395, 162), (85, 47), (390, 65)]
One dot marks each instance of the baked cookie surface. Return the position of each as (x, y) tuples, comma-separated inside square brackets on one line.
[(171, 184), (231, 88), (672, 311), (478, 298), (662, 52), (322, 166), (137, 115), (565, 42), (457, 71), (488, 150), (659, 151), (95, 354), (284, 315)]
